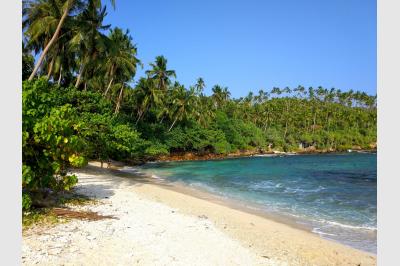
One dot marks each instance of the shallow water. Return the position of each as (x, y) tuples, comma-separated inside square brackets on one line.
[(334, 195)]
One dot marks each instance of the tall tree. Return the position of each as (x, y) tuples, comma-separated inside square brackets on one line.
[(200, 85), (68, 6), (148, 96), (182, 105), (121, 57), (88, 39), (160, 74), (220, 95)]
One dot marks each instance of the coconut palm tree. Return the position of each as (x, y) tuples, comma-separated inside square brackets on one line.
[(204, 110), (121, 56), (40, 20), (182, 105), (220, 95), (200, 85), (160, 74), (148, 95), (88, 41), (68, 7)]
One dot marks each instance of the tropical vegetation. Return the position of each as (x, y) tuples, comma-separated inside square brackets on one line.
[(82, 100)]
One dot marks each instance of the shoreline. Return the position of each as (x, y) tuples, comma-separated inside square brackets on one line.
[(308, 247), (232, 204), (194, 156), (162, 225), (239, 205), (253, 209), (158, 187)]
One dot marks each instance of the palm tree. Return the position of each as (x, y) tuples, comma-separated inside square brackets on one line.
[(87, 40), (40, 20), (64, 59), (183, 104), (120, 96), (200, 85), (159, 73), (220, 95), (68, 7), (121, 56), (148, 95), (204, 110)]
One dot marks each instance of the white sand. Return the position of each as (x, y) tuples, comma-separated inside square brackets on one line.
[(146, 233)]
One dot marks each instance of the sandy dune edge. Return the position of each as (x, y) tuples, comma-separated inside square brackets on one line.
[(159, 226)]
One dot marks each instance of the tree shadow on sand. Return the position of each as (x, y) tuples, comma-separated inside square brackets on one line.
[(100, 183)]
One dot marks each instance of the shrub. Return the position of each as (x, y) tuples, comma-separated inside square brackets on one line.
[(51, 141)]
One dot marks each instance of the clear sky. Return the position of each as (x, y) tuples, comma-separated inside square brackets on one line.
[(251, 45)]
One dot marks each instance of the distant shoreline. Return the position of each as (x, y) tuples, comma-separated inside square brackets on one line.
[(193, 156)]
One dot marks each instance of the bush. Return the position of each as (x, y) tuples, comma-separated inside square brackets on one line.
[(62, 128), (156, 149), (51, 141), (124, 142)]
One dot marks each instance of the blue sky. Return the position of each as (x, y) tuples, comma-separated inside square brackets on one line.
[(251, 45)]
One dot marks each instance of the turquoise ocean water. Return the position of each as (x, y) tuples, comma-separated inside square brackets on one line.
[(333, 195)]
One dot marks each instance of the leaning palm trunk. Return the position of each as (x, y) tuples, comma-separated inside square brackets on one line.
[(111, 80), (78, 80), (108, 87), (141, 113), (139, 116), (52, 40), (119, 101), (50, 68), (59, 77), (176, 119)]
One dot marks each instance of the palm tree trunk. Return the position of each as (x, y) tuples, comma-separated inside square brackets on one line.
[(286, 129), (119, 101), (59, 77), (78, 80), (140, 116), (313, 128), (50, 68), (266, 123), (85, 87), (52, 40), (141, 113), (111, 80), (176, 118), (108, 87)]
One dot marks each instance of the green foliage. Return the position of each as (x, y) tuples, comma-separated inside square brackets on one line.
[(242, 135), (197, 138), (51, 140), (124, 141), (26, 201), (220, 145), (63, 128), (28, 63), (156, 149)]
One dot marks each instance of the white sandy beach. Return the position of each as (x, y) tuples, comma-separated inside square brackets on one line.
[(155, 225)]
